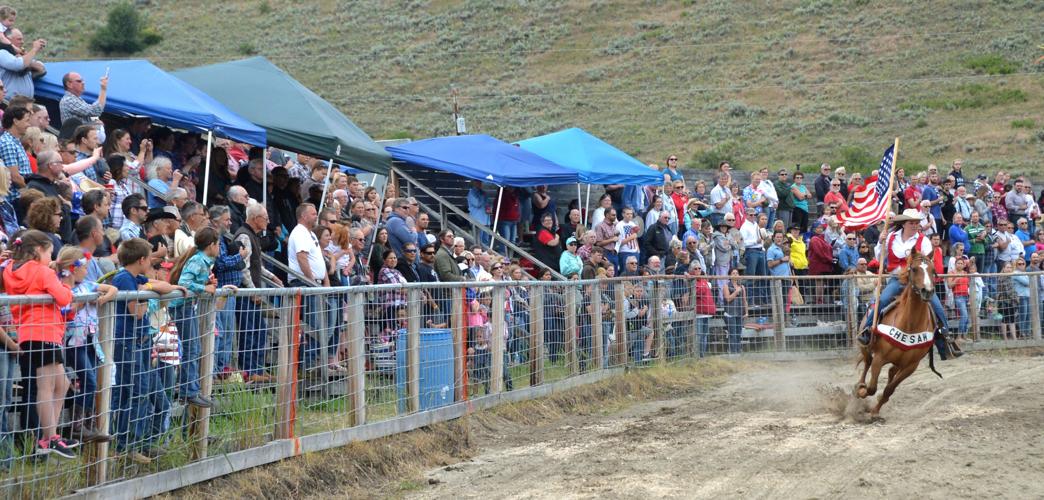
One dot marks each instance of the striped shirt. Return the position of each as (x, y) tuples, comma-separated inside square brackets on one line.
[(13, 154)]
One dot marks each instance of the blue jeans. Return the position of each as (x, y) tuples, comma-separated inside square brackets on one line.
[(188, 333), (226, 327), (754, 259), (130, 395), (734, 327), (771, 213), (509, 231), (9, 373), (253, 338), (81, 360), (583, 346), (162, 381), (702, 332), (892, 290), (1024, 316), (961, 301)]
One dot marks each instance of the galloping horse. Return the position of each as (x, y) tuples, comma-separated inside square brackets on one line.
[(908, 333)]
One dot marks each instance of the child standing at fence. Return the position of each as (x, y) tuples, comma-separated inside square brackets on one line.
[(132, 348), (193, 273), (82, 349), (41, 329), (165, 357)]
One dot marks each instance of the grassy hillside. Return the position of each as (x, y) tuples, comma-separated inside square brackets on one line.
[(760, 83)]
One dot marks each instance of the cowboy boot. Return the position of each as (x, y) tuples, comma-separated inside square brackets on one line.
[(864, 336), (943, 346), (955, 349)]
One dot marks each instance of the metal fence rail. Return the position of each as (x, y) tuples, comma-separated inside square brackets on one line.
[(296, 370)]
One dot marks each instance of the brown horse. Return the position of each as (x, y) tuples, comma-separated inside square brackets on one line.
[(912, 313)]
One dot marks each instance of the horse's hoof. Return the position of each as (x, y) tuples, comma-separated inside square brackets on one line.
[(877, 419), (860, 391)]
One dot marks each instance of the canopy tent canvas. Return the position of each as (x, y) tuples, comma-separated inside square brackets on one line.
[(596, 161), (139, 88), (295, 118), (484, 158)]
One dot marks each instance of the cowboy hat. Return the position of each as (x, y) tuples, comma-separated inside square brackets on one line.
[(909, 214), (159, 214), (88, 185)]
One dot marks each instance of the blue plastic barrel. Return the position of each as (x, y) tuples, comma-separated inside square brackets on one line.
[(436, 368)]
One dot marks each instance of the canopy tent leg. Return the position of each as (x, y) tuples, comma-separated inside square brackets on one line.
[(587, 206), (206, 175), (264, 179), (496, 219), (376, 229), (326, 181)]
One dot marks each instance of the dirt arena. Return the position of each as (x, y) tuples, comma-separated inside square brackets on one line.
[(781, 431)]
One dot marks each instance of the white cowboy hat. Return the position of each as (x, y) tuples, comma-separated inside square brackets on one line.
[(909, 214)]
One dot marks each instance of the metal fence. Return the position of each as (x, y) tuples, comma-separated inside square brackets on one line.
[(190, 389)]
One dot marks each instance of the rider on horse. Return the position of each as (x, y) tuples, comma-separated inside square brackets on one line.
[(899, 244)]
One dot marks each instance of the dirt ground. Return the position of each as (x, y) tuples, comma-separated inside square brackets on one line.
[(781, 431)]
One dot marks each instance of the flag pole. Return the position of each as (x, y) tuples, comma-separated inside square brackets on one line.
[(883, 245)]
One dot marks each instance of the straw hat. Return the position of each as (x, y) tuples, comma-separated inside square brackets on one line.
[(909, 214), (88, 185)]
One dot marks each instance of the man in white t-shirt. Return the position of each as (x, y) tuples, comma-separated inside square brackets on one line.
[(303, 253), (721, 199)]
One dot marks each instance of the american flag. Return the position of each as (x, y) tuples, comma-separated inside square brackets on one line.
[(870, 202)]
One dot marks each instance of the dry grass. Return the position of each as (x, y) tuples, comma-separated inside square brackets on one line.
[(388, 466)]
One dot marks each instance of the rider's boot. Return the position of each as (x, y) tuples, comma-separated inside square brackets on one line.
[(864, 335), (943, 345)]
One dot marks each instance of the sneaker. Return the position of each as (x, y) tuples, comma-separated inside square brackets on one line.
[(69, 442), (199, 401), (58, 447)]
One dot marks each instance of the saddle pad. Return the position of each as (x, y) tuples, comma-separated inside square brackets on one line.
[(903, 340)]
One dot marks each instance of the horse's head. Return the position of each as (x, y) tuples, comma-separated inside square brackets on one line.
[(920, 275)]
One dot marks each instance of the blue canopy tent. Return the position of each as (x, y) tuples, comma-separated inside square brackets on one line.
[(597, 161), (139, 88), (484, 158)]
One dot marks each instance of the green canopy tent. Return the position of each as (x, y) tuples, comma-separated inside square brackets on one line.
[(294, 117)]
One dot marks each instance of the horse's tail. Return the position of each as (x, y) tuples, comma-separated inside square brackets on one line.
[(931, 360)]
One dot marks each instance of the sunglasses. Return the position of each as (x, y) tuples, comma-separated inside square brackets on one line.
[(497, 267), (428, 253), (409, 250)]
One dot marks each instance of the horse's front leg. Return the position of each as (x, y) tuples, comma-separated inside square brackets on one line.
[(875, 372), (860, 388), (894, 379)]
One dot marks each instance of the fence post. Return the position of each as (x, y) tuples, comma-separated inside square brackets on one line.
[(691, 351), (496, 372), (778, 320), (1034, 300), (322, 336), (199, 428), (460, 344), (536, 335), (413, 326), (852, 303), (357, 358), (620, 347), (973, 309), (659, 332), (596, 326), (570, 328), (286, 367), (97, 462)]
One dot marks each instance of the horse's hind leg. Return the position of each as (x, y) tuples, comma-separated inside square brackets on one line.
[(893, 382)]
